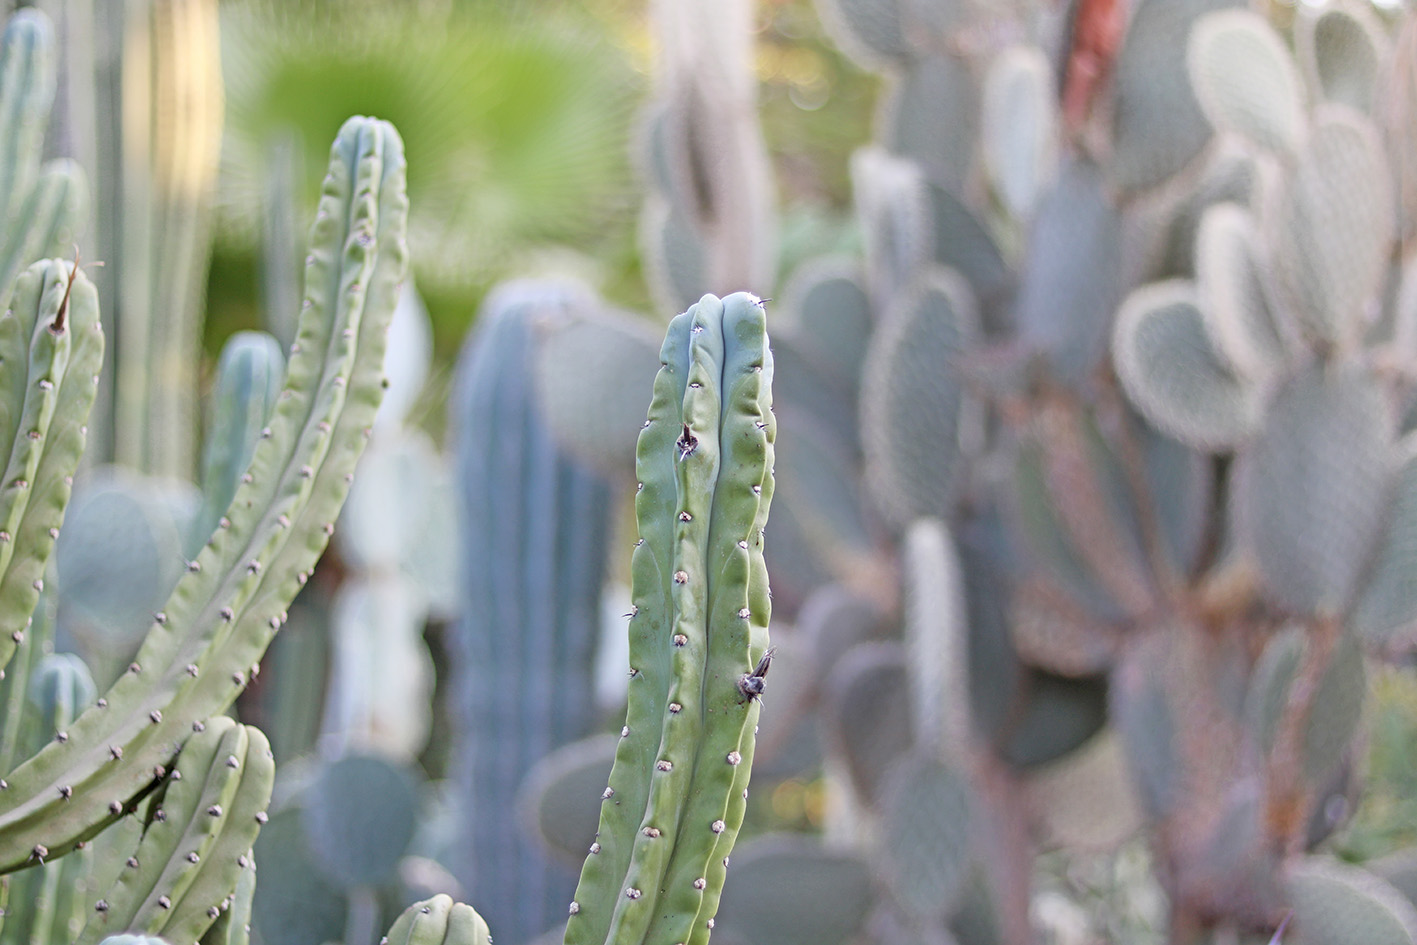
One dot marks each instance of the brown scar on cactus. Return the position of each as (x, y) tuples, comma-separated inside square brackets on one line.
[(687, 443), (751, 685)]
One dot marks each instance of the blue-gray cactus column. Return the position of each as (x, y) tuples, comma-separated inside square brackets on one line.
[(534, 531)]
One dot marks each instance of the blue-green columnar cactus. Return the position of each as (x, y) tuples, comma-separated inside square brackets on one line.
[(535, 527), (248, 381), (40, 205), (48, 903), (698, 636)]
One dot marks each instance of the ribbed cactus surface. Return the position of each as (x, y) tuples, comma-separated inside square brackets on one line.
[(698, 636), (204, 645)]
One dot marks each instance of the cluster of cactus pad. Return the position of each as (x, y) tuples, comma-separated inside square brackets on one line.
[(1094, 477)]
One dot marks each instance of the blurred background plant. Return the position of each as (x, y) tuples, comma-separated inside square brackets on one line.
[(1011, 591)]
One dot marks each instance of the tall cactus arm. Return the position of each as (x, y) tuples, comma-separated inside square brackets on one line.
[(698, 628), (203, 646), (737, 626), (248, 381), (51, 348)]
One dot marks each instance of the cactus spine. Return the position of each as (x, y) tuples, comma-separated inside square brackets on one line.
[(678, 788)]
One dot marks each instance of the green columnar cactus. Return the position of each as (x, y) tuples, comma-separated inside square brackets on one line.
[(708, 220), (54, 343), (206, 642), (54, 895), (233, 926), (698, 635), (19, 733), (40, 206)]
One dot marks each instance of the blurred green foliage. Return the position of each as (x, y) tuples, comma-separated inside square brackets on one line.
[(514, 126), (515, 118), (1385, 817)]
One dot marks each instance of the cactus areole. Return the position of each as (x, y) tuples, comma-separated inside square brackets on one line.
[(698, 629)]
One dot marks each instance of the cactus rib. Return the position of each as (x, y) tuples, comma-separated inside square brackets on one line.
[(224, 612)]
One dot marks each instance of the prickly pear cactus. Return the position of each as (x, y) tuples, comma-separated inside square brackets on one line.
[(698, 636)]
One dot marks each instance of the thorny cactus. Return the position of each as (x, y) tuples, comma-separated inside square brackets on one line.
[(224, 612), (182, 788), (698, 636)]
